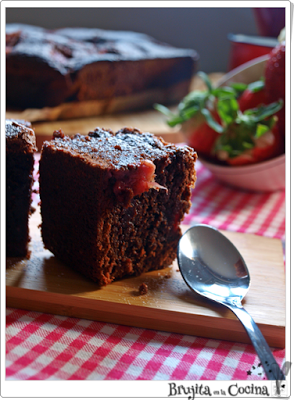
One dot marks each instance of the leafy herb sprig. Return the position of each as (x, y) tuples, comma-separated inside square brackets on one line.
[(238, 130)]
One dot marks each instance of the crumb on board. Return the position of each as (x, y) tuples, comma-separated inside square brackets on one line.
[(167, 276), (143, 288)]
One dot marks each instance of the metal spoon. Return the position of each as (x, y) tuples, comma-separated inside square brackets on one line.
[(212, 266)]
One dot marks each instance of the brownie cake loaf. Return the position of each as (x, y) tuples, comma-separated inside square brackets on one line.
[(20, 147), (111, 203), (45, 68)]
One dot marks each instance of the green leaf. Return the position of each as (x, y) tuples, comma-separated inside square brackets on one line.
[(245, 119), (164, 110), (256, 86), (227, 148), (247, 145), (195, 98), (175, 121), (271, 121), (227, 109), (261, 129), (224, 91), (211, 121), (189, 112), (238, 86), (263, 112), (206, 80)]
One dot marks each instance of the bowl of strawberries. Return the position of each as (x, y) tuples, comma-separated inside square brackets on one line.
[(237, 126)]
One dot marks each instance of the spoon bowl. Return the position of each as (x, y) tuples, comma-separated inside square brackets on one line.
[(213, 267)]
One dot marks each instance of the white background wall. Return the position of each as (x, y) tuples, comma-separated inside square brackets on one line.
[(202, 29)]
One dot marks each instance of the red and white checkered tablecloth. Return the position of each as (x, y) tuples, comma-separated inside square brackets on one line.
[(40, 346)]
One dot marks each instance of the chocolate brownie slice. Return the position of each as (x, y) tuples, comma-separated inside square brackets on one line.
[(20, 147), (111, 203)]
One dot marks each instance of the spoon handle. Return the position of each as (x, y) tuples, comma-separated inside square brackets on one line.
[(272, 369)]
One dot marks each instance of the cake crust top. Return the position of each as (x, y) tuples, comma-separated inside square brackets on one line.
[(129, 159), (69, 49), (20, 130), (124, 149)]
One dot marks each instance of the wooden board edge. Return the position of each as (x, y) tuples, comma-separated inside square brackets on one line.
[(111, 106), (156, 319)]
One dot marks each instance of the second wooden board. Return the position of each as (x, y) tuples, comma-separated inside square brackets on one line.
[(148, 120)]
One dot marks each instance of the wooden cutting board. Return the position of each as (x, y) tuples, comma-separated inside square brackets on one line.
[(44, 284)]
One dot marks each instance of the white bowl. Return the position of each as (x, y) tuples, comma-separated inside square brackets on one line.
[(246, 73), (266, 176)]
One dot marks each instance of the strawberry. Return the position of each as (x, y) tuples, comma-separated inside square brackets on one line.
[(275, 81), (253, 96), (275, 73), (267, 146), (200, 135)]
